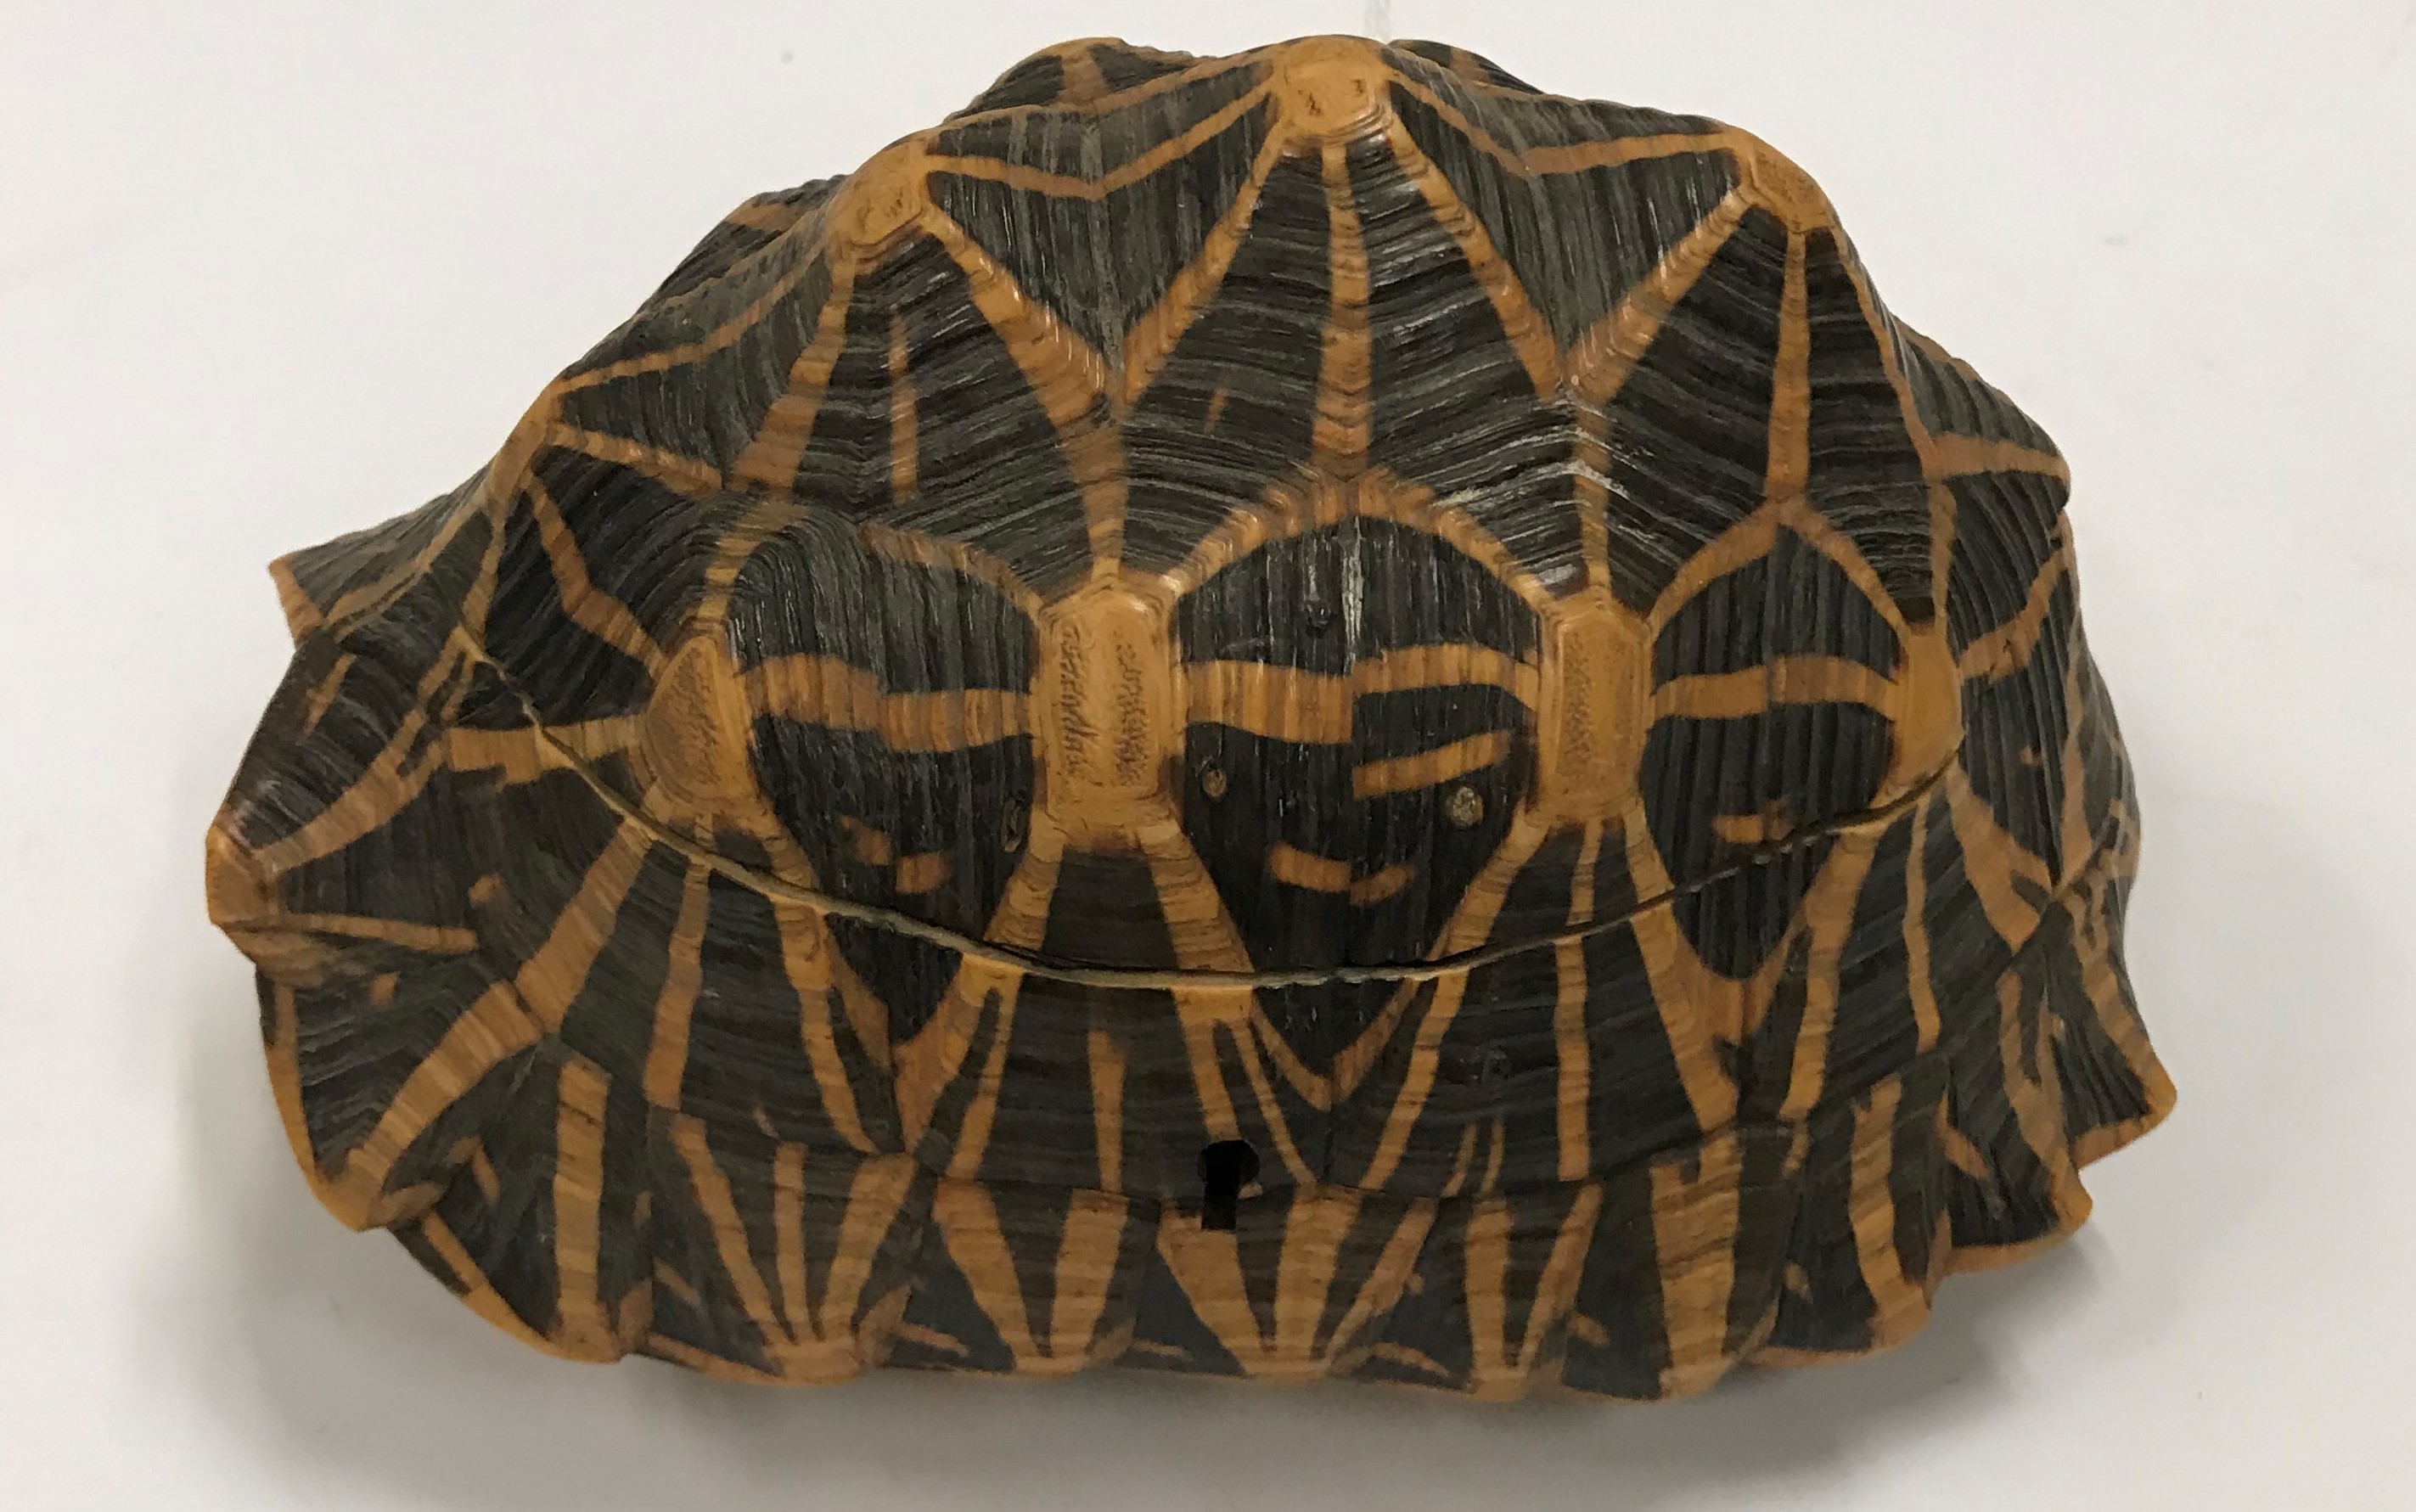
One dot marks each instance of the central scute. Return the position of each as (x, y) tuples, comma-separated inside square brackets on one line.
[(1109, 716)]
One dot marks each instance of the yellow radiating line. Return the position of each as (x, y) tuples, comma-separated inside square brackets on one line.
[(806, 952), (478, 1292), (1799, 516), (435, 939), (901, 415), (1749, 539), (1313, 1231), (712, 1195), (1455, 665), (1292, 703), (2121, 1024), (678, 1285), (1788, 468), (1827, 914), (590, 608), (758, 214), (1501, 1366), (1472, 920), (1916, 932), (1206, 1264), (1805, 679), (2075, 843), (1404, 774), (788, 1238), (935, 1056), (1959, 455), (1072, 186), (489, 1032), (1899, 1307), (2038, 1102), (1385, 1280), (1340, 436), (1601, 358), (981, 1109), (1575, 158), (585, 1329), (713, 1366), (1961, 1153), (384, 786), (1087, 1252), (969, 1227), (302, 617), (529, 752), (505, 1019), (1082, 77), (1572, 1049), (1697, 1007), (2011, 645), (1199, 1012), (1153, 339), (1201, 929), (1377, 887), (1934, 468), (1079, 64), (714, 341), (323, 694), (676, 471), (1313, 502), (394, 578), (1462, 1160), (1271, 701), (925, 550), (1067, 376), (1994, 861), (551, 977), (1106, 1058), (1271, 1112), (1296, 867), (771, 455), (875, 1194), (1522, 325), (1694, 1238), (825, 691)]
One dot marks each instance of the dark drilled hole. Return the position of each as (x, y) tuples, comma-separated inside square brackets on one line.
[(1225, 1168)]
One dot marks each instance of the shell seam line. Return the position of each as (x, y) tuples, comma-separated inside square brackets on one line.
[(983, 950)]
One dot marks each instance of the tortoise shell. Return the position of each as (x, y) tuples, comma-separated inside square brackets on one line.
[(1297, 714)]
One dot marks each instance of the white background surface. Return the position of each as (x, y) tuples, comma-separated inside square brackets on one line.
[(269, 273)]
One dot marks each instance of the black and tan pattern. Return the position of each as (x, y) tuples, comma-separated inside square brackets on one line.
[(1300, 715)]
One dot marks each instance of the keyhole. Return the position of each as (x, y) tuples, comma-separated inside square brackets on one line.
[(1225, 1168)]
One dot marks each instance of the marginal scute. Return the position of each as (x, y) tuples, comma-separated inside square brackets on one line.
[(243, 903), (239, 895), (1433, 642)]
